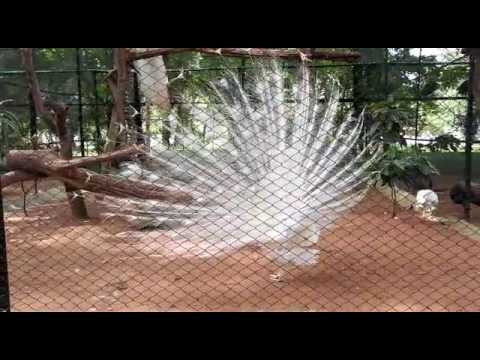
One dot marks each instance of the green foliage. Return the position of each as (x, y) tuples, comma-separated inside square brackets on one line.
[(444, 142), (402, 166), (377, 87), (12, 131), (58, 82), (399, 164), (391, 120), (185, 78), (407, 76)]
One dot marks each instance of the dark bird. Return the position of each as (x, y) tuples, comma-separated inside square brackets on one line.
[(459, 194)]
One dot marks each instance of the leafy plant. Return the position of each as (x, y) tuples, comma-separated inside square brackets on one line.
[(11, 131), (445, 142), (404, 166), (391, 120)]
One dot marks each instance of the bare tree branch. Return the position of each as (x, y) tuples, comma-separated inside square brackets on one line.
[(30, 164), (14, 177), (21, 159), (26, 54), (309, 53)]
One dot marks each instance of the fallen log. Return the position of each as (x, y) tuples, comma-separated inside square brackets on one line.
[(44, 161), (124, 188), (31, 164)]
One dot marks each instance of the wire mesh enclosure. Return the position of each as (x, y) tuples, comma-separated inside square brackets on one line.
[(239, 180)]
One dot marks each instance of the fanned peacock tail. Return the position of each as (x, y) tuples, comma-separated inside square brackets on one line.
[(283, 170)]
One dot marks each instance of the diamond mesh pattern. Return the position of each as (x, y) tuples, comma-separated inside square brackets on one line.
[(286, 213)]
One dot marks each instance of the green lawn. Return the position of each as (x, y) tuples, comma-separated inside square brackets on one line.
[(453, 164)]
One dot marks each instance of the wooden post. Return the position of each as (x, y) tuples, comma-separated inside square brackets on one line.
[(118, 82), (138, 119), (65, 135)]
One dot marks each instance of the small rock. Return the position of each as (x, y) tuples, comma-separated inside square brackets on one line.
[(122, 285)]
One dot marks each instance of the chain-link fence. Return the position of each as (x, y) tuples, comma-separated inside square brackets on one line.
[(73, 76), (254, 184)]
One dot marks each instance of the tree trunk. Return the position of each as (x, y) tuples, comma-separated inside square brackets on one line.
[(58, 124), (394, 201), (154, 84), (153, 78), (118, 82), (75, 198)]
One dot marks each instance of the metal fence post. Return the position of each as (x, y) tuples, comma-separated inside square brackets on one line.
[(386, 67), (469, 138), (357, 91), (419, 91), (137, 100), (33, 120), (80, 102), (98, 134), (242, 72), (358, 94), (4, 286)]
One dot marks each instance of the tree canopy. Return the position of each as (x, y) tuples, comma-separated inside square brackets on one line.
[(411, 91)]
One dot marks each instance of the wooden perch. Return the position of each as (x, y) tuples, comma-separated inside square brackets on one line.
[(53, 163), (124, 188), (32, 164), (256, 52)]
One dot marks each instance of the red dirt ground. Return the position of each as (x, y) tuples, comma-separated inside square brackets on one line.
[(370, 262)]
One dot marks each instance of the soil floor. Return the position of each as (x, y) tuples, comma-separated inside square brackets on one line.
[(370, 262)]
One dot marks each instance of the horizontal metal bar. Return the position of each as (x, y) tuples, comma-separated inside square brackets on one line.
[(433, 140), (440, 98), (22, 72), (68, 104), (351, 100), (393, 63), (415, 64), (344, 100)]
